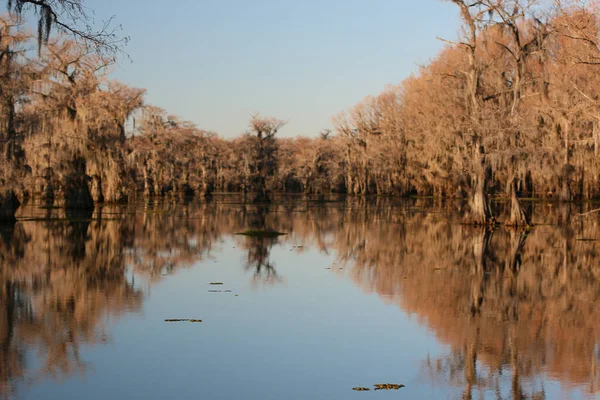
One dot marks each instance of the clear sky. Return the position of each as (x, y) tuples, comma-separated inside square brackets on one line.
[(215, 62)]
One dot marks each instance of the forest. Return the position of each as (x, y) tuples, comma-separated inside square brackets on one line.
[(510, 108)]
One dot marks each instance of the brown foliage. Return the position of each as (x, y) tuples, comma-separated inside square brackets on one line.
[(509, 109)]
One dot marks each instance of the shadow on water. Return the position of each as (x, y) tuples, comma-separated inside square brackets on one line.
[(516, 305)]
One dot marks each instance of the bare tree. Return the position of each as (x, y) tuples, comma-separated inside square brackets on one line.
[(71, 17), (472, 14)]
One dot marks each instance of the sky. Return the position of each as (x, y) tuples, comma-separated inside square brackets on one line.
[(215, 62)]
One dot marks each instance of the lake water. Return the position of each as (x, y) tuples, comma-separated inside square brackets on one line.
[(357, 292)]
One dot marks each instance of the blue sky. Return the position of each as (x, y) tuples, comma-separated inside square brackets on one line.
[(215, 62)]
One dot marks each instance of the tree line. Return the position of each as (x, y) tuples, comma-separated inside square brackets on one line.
[(510, 108)]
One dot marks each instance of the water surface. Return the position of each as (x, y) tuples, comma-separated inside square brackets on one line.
[(357, 292)]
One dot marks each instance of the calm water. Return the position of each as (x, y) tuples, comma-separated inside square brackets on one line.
[(356, 293)]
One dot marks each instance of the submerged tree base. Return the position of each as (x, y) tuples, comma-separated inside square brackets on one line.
[(480, 213), (9, 204), (77, 194), (518, 216), (489, 222), (478, 219)]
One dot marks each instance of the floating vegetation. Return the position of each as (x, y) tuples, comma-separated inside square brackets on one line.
[(183, 320), (361, 389), (261, 233), (220, 291), (387, 386), (216, 283)]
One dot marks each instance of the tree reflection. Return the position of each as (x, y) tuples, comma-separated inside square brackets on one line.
[(259, 245), (514, 306), (62, 277), (59, 281)]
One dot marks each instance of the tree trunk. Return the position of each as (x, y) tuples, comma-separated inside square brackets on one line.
[(47, 187), (565, 192), (77, 193), (517, 86), (9, 204), (596, 136), (518, 216), (96, 189), (480, 212)]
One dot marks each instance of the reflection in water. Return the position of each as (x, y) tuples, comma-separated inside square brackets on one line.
[(509, 303), (58, 282), (259, 246), (515, 307), (61, 279)]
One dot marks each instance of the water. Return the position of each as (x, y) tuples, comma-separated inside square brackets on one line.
[(357, 292)]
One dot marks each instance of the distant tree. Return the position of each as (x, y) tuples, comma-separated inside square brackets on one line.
[(374, 136), (260, 156), (325, 134), (174, 156)]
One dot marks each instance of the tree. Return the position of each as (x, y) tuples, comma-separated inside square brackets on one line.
[(13, 81), (71, 17), (75, 122), (472, 14), (521, 36), (374, 137), (260, 156), (173, 155)]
